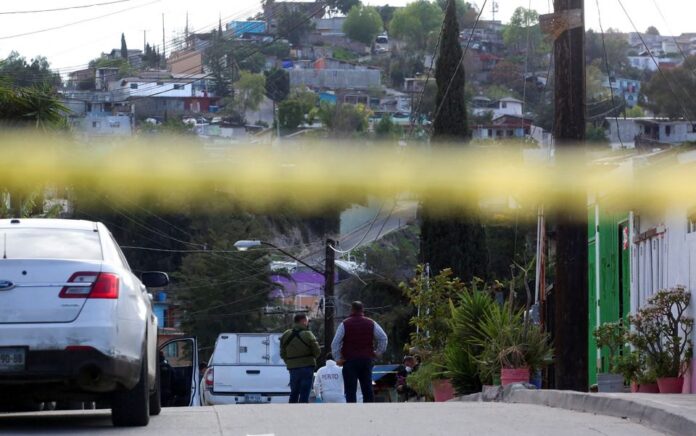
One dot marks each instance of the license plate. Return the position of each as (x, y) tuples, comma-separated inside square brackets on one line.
[(12, 359), (252, 398)]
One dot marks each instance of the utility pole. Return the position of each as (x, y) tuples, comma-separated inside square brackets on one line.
[(570, 292), (329, 300), (164, 42)]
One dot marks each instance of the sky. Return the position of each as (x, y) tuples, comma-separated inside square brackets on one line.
[(82, 34)]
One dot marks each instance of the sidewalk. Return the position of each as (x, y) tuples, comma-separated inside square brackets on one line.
[(671, 414)]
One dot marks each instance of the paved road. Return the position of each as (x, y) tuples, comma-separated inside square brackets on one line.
[(418, 419)]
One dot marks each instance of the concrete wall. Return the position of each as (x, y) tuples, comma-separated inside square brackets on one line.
[(336, 79), (109, 125), (186, 62)]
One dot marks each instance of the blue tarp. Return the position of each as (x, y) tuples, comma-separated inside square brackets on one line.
[(381, 371)]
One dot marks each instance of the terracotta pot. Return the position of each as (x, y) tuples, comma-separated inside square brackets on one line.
[(442, 390), (670, 385), (634, 387), (647, 388), (514, 375)]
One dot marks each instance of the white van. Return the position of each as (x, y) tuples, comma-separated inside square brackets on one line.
[(246, 368)]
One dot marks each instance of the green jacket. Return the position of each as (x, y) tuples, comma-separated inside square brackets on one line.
[(299, 347)]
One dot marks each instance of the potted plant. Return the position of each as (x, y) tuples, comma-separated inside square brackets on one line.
[(661, 333), (513, 347), (612, 336)]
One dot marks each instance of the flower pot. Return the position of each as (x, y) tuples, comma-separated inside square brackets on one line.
[(670, 385), (442, 390), (514, 375), (647, 388), (610, 382), (537, 379)]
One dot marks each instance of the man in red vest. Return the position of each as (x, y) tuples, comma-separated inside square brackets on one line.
[(358, 341)]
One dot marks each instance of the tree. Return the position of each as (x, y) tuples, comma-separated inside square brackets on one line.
[(386, 12), (466, 12), (363, 24), (450, 118), (36, 106), (290, 114), (224, 71), (250, 89), (616, 52), (342, 6), (294, 26), (386, 129), (345, 119), (124, 47), (277, 84), (452, 237), (418, 24), (151, 57), (523, 36), (672, 94), (652, 30), (17, 72)]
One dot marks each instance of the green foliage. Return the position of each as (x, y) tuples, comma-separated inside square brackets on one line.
[(635, 112), (343, 54), (466, 12), (661, 98), (250, 90), (171, 127), (596, 135), (363, 24), (417, 24), (617, 49), (124, 47), (433, 298), (613, 336), (279, 49), (450, 123), (386, 12), (277, 84), (402, 67), (510, 342), (151, 57), (219, 59), (523, 36), (294, 26), (124, 68), (386, 129), (661, 332), (290, 114), (16, 71), (652, 30), (421, 381), (36, 107), (345, 119), (342, 6)]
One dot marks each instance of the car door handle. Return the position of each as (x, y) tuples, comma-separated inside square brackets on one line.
[(253, 371)]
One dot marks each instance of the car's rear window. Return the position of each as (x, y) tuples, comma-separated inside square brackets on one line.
[(30, 243)]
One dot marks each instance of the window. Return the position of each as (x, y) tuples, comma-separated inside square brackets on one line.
[(44, 243), (133, 86), (114, 124), (504, 105), (95, 124), (668, 130), (178, 86)]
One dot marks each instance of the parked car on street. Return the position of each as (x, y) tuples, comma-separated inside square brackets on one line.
[(246, 368), (76, 324)]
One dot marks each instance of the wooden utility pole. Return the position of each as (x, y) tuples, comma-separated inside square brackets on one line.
[(570, 293), (329, 300)]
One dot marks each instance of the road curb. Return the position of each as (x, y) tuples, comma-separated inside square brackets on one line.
[(651, 416)]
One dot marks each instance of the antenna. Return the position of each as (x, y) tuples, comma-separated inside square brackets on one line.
[(494, 9)]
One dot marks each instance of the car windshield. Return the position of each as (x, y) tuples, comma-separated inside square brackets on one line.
[(50, 244)]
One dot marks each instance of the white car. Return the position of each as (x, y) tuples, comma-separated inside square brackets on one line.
[(75, 323), (246, 368)]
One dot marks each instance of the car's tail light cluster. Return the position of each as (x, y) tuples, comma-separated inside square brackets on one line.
[(92, 285), (209, 378)]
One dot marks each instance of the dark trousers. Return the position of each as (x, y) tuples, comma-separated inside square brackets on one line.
[(301, 384), (355, 370)]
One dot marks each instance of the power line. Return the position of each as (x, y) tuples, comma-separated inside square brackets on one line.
[(66, 8), (63, 26), (369, 229), (606, 62), (657, 65)]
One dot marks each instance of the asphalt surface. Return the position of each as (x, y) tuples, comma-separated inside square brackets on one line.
[(421, 419)]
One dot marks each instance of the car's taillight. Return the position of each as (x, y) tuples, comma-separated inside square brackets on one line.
[(209, 377), (92, 285)]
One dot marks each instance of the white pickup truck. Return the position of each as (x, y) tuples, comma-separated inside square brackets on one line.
[(246, 368)]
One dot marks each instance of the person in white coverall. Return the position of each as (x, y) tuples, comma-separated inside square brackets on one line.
[(328, 383)]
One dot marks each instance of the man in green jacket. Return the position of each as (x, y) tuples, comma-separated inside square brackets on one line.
[(299, 349)]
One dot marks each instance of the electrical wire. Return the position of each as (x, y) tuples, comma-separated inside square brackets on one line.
[(63, 26), (606, 62), (66, 8), (372, 223)]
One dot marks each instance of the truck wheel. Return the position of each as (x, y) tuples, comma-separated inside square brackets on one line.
[(155, 397), (131, 408)]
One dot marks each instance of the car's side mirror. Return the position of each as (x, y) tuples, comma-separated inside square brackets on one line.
[(154, 279)]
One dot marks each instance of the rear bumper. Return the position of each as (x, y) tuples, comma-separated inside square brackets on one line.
[(52, 373), (217, 399)]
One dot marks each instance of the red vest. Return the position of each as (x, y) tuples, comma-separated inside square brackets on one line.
[(359, 338)]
